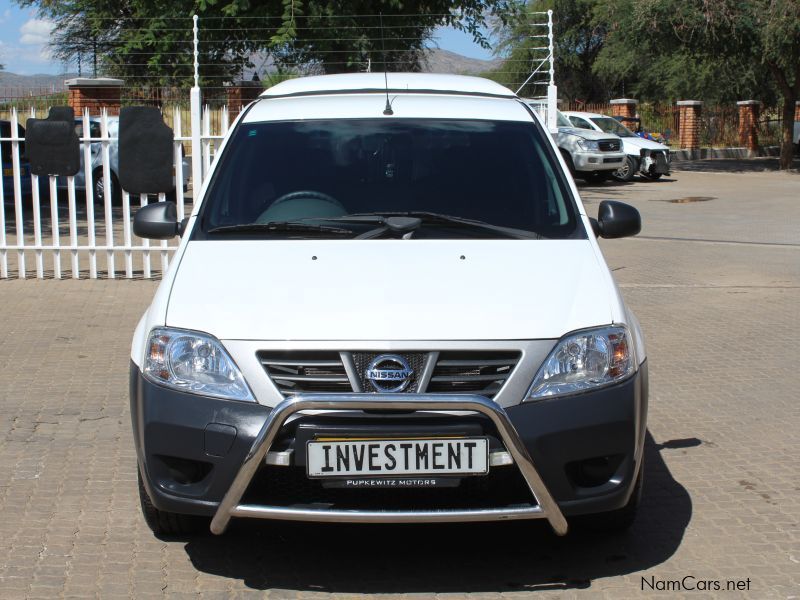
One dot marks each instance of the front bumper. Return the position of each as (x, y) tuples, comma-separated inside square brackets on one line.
[(654, 162), (597, 161), (191, 449)]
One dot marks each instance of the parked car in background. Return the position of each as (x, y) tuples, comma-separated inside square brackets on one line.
[(96, 149), (590, 155), (646, 157), (6, 147)]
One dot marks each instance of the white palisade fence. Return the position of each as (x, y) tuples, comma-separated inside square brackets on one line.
[(82, 235)]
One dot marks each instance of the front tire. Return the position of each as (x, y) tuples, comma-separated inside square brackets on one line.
[(99, 184), (595, 176), (626, 171), (162, 522)]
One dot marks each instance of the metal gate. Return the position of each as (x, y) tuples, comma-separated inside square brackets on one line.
[(81, 226)]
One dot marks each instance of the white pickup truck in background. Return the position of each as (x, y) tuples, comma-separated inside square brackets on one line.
[(590, 155), (645, 157)]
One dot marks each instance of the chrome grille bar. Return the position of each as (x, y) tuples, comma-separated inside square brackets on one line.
[(477, 363), (465, 378)]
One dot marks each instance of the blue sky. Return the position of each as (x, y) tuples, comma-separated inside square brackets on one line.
[(23, 41), (456, 41), (24, 37)]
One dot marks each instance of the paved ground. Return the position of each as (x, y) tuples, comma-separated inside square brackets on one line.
[(716, 285)]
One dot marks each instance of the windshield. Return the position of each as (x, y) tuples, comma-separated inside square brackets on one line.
[(610, 125), (563, 121), (304, 179)]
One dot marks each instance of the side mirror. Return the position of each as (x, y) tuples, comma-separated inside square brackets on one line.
[(157, 221), (617, 219)]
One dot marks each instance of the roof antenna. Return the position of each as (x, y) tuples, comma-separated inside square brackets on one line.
[(388, 110)]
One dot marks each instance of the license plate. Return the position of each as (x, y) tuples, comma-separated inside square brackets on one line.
[(397, 457)]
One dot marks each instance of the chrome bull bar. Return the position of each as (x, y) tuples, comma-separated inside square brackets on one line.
[(545, 506)]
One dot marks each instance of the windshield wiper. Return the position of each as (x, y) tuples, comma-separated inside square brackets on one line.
[(280, 227), (430, 218), (394, 224)]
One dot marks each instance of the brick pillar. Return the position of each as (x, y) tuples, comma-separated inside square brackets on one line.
[(241, 93), (94, 94), (689, 124), (624, 107), (797, 110), (748, 124)]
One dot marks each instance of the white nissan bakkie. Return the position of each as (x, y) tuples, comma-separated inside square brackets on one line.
[(388, 305)]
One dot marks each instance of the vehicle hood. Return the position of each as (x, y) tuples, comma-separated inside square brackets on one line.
[(587, 134), (389, 289), (638, 142)]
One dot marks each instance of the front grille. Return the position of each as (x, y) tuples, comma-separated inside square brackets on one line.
[(416, 360), (305, 371), (472, 372), (609, 145), (281, 486), (323, 371)]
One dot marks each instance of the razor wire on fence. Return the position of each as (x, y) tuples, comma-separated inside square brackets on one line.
[(157, 68)]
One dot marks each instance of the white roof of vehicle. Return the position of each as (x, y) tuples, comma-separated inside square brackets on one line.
[(398, 82), (363, 95)]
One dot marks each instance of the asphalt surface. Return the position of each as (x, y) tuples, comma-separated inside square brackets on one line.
[(715, 281)]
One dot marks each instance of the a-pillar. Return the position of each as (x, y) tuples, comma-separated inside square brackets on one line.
[(95, 94), (689, 124), (748, 124)]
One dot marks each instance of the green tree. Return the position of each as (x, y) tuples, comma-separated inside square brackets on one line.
[(709, 49)]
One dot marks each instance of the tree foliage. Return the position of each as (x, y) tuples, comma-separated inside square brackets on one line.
[(721, 50), (661, 49)]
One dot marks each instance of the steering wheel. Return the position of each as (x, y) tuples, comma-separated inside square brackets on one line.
[(302, 204), (310, 194)]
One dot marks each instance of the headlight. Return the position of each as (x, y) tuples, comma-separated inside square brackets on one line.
[(588, 145), (194, 362), (585, 360)]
